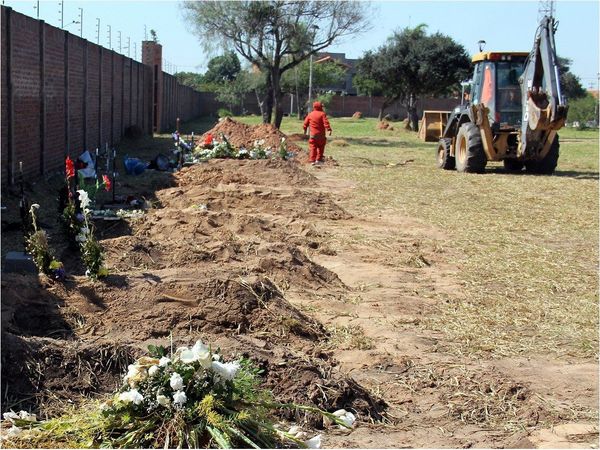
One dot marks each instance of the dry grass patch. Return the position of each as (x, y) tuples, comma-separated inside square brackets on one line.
[(525, 247), (349, 337)]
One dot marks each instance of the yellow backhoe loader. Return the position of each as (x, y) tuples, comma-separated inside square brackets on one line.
[(511, 111)]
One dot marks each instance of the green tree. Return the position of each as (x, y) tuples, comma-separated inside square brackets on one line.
[(275, 36), (584, 109), (191, 79), (324, 76), (233, 92), (413, 64), (223, 68), (570, 84)]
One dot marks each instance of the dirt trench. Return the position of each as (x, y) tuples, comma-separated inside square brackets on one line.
[(212, 263)]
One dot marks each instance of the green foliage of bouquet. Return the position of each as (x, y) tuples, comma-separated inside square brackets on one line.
[(92, 254), (192, 399), (37, 246)]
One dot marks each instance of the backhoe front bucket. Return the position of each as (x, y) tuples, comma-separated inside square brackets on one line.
[(540, 113), (432, 125)]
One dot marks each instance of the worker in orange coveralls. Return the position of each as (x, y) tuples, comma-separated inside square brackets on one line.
[(317, 120)]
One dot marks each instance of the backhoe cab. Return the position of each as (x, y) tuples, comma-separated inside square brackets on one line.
[(510, 112)]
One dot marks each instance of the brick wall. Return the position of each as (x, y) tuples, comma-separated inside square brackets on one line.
[(61, 95)]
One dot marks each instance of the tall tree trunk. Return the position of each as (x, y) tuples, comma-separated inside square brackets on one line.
[(386, 103), (265, 101), (413, 118), (278, 109), (268, 106), (277, 98)]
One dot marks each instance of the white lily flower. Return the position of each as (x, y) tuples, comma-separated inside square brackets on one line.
[(296, 432), (162, 400), (24, 415), (135, 374), (202, 354), (346, 417), (131, 396), (153, 371), (314, 442), (179, 398), (164, 361), (176, 382), (10, 415), (187, 356), (226, 371), (13, 431), (216, 357), (34, 206), (84, 199)]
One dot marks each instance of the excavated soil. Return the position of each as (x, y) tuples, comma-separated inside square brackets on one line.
[(239, 134), (212, 263), (261, 259)]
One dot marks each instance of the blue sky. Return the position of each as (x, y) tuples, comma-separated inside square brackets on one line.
[(506, 25)]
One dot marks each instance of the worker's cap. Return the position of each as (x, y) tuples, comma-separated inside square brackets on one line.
[(318, 106)]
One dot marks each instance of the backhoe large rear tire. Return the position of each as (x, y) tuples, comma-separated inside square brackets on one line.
[(546, 166), (444, 160), (469, 153)]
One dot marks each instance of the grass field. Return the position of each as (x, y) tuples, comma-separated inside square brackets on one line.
[(525, 247)]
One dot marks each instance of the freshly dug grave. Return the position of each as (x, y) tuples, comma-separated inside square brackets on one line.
[(213, 263), (239, 134)]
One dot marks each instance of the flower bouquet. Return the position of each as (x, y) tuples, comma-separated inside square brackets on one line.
[(37, 246), (193, 399), (91, 251)]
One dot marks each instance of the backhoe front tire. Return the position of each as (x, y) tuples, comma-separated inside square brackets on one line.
[(444, 160), (546, 166), (469, 153)]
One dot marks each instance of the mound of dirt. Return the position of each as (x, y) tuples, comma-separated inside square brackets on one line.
[(239, 134), (297, 137), (212, 263), (385, 125)]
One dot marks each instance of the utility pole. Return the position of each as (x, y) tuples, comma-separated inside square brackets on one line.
[(545, 8), (135, 51), (37, 8), (81, 22), (62, 14), (109, 38), (119, 42), (145, 33), (98, 30), (128, 47), (310, 67)]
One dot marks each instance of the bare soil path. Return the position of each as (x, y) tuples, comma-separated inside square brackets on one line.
[(395, 269)]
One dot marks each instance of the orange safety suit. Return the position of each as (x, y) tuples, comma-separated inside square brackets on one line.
[(317, 120)]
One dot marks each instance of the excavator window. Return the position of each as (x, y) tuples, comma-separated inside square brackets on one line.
[(508, 104)]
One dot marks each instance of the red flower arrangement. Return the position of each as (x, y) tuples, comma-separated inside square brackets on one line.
[(69, 168), (107, 183)]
